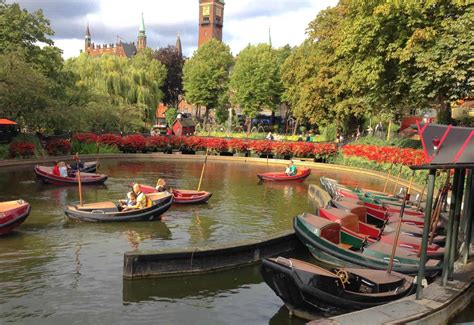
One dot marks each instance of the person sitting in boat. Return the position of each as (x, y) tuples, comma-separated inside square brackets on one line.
[(56, 169), (62, 169), (291, 169), (129, 202), (161, 185), (141, 198)]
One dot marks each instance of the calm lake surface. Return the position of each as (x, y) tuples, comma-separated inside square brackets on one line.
[(57, 272)]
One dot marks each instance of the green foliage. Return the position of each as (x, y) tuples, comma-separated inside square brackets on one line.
[(170, 115), (4, 151), (206, 75), (255, 80), (173, 85), (328, 132), (30, 138), (395, 142), (91, 148)]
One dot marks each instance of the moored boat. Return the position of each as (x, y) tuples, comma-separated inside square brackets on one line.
[(307, 289), (300, 176), (324, 241), (87, 167), (46, 175), (182, 196), (12, 215), (356, 232), (109, 212)]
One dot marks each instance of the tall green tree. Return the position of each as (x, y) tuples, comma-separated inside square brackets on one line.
[(173, 85), (206, 76), (255, 81)]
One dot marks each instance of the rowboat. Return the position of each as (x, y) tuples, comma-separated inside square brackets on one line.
[(46, 175), (12, 215), (411, 225), (356, 233), (109, 212), (307, 289), (300, 176), (326, 243), (182, 196)]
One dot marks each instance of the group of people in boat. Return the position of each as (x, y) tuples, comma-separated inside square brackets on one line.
[(62, 169), (136, 199)]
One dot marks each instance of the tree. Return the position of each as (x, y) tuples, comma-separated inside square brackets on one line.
[(255, 80), (173, 85), (206, 75)]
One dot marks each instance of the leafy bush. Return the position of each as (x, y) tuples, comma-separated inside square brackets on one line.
[(401, 142), (22, 150), (156, 143), (382, 154), (238, 145), (83, 148), (58, 147), (194, 143), (85, 137), (4, 153), (217, 144), (110, 139)]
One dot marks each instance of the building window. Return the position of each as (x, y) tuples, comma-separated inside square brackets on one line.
[(206, 11)]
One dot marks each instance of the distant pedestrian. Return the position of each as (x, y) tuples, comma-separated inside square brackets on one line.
[(269, 136)]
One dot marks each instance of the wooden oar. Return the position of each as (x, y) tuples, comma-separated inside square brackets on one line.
[(439, 205), (397, 235), (388, 177), (202, 171), (421, 194), (78, 174), (97, 160)]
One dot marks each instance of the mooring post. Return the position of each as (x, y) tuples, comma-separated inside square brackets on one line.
[(453, 255), (468, 211), (426, 230), (449, 230)]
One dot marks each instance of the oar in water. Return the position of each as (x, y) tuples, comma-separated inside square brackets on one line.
[(202, 171), (78, 175)]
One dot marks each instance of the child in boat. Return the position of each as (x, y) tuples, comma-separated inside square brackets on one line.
[(161, 185), (130, 201), (141, 198), (56, 169), (291, 169), (62, 169)]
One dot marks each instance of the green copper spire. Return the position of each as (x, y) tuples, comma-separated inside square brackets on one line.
[(141, 31), (270, 37)]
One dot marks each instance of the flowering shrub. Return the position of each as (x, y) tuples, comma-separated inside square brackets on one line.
[(261, 146), (238, 145), (156, 143), (133, 143), (85, 137), (217, 144), (110, 139), (283, 148), (404, 156), (303, 149), (58, 147), (176, 142), (22, 149), (194, 143), (324, 150)]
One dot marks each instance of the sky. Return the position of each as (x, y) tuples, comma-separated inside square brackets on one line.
[(245, 22)]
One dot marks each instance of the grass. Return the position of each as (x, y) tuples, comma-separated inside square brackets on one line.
[(254, 136)]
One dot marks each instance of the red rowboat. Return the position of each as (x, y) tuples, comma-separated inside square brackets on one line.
[(46, 175), (182, 196), (12, 215), (300, 176)]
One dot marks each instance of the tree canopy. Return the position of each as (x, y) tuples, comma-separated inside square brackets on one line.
[(173, 85)]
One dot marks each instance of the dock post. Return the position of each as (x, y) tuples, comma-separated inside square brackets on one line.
[(457, 215), (449, 229), (426, 230), (468, 211)]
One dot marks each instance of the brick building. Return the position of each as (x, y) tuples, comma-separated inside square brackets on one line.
[(120, 48), (211, 20)]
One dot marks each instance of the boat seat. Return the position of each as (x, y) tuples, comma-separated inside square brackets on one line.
[(380, 278), (103, 206), (344, 246)]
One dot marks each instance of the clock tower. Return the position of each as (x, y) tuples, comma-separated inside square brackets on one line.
[(211, 20)]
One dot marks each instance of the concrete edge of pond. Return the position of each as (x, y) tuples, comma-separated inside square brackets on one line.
[(179, 262), (438, 306), (161, 156)]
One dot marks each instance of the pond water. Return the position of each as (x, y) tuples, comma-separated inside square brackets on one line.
[(53, 271)]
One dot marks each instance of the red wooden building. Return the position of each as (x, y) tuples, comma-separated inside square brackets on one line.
[(184, 126)]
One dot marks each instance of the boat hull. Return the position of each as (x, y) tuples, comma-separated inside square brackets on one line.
[(182, 196), (46, 176), (12, 218), (282, 177)]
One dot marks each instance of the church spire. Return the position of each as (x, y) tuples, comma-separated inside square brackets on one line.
[(141, 41), (87, 38), (178, 46), (270, 37)]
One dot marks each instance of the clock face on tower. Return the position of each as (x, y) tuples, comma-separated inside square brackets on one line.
[(206, 10)]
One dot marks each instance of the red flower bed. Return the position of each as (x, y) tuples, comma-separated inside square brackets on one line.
[(156, 143), (22, 149), (194, 143), (404, 156), (324, 150), (133, 143), (176, 142), (238, 145), (85, 137), (303, 149), (58, 147), (261, 146), (283, 148), (110, 139), (217, 144)]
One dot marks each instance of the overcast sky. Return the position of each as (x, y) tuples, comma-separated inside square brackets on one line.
[(245, 22)]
